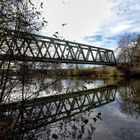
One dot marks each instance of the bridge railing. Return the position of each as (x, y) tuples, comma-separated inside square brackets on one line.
[(31, 47)]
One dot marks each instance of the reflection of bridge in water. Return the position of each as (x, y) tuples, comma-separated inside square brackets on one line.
[(38, 112)]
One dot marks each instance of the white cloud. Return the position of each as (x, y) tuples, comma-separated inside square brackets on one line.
[(123, 18), (120, 27), (82, 17), (107, 18)]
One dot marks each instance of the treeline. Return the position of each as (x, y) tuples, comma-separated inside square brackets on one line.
[(128, 54), (96, 72)]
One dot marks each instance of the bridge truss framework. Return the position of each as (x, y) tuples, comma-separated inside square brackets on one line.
[(21, 46)]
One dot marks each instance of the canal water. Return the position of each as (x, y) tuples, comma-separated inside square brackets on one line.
[(69, 108)]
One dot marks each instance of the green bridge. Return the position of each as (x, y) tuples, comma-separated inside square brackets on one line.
[(21, 46)]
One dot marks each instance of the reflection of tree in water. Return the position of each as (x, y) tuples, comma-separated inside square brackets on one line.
[(20, 126), (78, 127), (130, 95), (18, 86), (23, 85), (74, 85)]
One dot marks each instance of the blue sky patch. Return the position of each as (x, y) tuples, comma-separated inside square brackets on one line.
[(94, 38)]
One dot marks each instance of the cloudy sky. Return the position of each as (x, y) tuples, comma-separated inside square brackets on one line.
[(95, 22)]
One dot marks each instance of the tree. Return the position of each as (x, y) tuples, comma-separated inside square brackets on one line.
[(16, 15), (127, 47), (21, 15)]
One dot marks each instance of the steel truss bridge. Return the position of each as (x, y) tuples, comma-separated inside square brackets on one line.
[(21, 46), (35, 113)]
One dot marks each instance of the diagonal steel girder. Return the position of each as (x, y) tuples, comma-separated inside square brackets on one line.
[(21, 46)]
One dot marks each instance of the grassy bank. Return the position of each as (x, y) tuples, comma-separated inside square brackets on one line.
[(94, 73), (100, 72)]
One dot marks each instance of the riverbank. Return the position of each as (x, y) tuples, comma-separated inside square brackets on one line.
[(96, 72), (92, 73)]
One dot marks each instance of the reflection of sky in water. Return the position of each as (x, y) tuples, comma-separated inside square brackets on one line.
[(116, 125), (59, 87), (89, 84)]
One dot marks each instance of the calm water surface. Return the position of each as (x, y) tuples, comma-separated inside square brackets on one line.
[(69, 109)]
